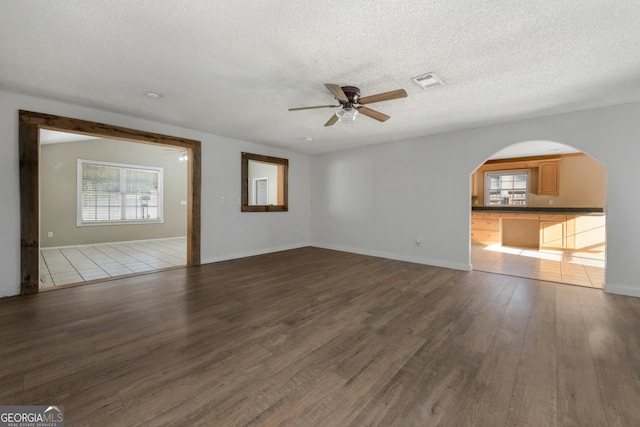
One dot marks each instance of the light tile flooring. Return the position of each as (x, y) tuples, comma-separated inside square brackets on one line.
[(75, 264), (552, 266)]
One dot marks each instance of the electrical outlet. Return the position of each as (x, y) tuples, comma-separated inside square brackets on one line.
[(550, 202)]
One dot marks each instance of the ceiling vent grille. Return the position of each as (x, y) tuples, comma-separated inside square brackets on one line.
[(427, 81)]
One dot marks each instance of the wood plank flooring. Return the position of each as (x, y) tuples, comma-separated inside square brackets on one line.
[(313, 337)]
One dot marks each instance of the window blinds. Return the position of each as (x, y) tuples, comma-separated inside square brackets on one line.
[(119, 193)]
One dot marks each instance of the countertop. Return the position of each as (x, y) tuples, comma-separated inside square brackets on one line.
[(556, 210)]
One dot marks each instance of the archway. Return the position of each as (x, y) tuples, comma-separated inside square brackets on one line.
[(538, 211)]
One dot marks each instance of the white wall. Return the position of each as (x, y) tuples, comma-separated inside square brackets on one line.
[(59, 192), (226, 232), (377, 200), (374, 200)]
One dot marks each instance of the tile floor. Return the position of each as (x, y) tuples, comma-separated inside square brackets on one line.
[(552, 266), (75, 264)]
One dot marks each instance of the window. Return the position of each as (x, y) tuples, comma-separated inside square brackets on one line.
[(117, 193), (506, 188), (264, 183)]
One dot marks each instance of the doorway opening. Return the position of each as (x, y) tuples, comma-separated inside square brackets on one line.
[(109, 208), (260, 191), (538, 211), (140, 202)]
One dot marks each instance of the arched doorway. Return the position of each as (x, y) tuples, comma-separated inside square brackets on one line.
[(538, 211)]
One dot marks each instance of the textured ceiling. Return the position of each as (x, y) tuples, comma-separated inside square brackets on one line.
[(233, 68)]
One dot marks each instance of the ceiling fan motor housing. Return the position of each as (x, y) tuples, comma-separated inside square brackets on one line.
[(352, 93)]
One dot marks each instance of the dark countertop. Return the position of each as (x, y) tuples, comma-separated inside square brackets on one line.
[(536, 210)]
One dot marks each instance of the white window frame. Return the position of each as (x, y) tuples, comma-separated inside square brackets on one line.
[(81, 223), (487, 184)]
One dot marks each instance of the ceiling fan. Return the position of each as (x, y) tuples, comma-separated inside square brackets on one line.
[(352, 104)]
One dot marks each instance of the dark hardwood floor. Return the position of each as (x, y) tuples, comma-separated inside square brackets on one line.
[(316, 337)]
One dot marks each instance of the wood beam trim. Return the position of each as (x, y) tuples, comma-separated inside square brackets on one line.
[(30, 124)]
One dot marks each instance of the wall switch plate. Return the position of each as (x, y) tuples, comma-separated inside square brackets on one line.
[(183, 203), (50, 234), (222, 199)]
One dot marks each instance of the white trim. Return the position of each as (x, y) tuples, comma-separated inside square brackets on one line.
[(388, 255), (254, 252), (84, 245), (631, 291), (121, 222)]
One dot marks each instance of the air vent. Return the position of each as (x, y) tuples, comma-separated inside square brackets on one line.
[(427, 81)]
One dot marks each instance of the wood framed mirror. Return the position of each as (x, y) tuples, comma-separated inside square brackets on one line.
[(265, 183)]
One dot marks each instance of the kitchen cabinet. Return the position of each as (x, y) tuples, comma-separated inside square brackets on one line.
[(586, 234), (474, 184), (575, 233), (553, 231), (553, 234), (548, 180), (485, 228)]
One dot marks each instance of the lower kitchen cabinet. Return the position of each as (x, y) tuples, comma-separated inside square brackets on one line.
[(553, 234), (553, 231), (485, 228), (573, 233)]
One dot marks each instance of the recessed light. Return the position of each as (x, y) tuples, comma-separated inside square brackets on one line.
[(153, 95)]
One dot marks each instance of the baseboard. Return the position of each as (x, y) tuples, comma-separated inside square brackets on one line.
[(84, 245), (261, 251), (631, 291), (398, 257)]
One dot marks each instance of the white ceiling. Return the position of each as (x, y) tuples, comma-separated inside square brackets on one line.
[(533, 148), (54, 137), (233, 68)]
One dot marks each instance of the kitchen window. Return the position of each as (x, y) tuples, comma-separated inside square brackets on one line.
[(506, 188), (114, 193)]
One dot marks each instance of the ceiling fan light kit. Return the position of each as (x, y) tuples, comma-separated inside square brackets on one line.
[(347, 115), (353, 105)]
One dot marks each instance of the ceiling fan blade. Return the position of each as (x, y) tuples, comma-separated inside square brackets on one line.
[(311, 108), (386, 96), (373, 114), (337, 92), (332, 121)]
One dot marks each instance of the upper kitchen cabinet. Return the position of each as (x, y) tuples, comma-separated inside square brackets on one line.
[(548, 180), (474, 184)]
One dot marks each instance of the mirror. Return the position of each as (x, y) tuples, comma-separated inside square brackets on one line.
[(264, 183)]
